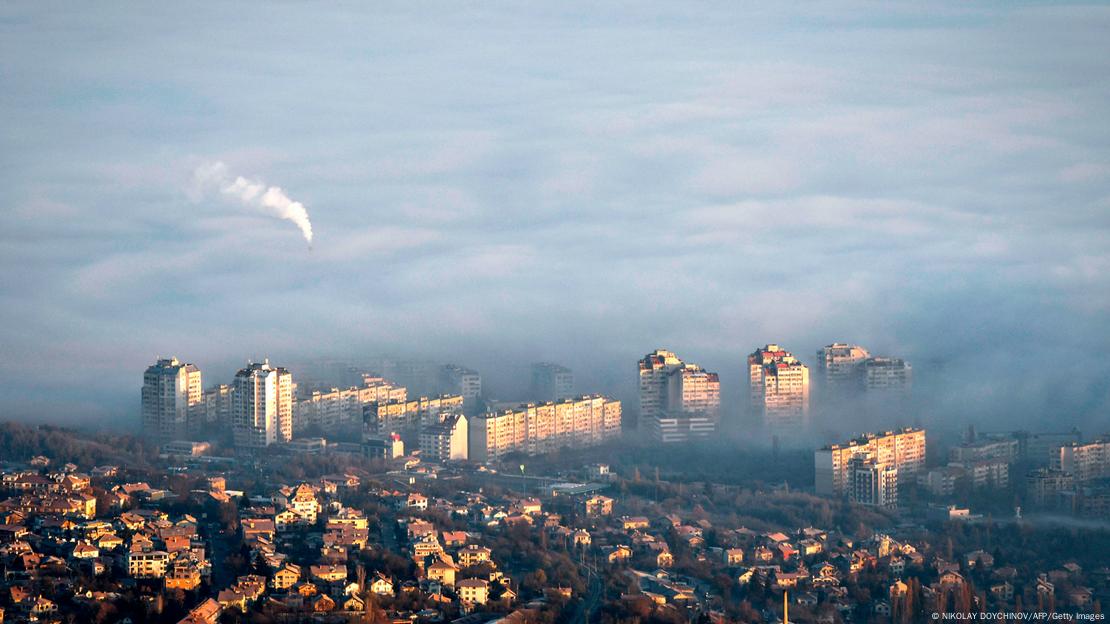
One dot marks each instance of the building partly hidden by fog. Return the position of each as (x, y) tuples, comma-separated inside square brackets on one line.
[(838, 367), (679, 401), (856, 390), (463, 381), (551, 382), (171, 398), (848, 371), (779, 391)]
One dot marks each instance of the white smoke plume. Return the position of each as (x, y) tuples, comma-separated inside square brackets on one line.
[(271, 199)]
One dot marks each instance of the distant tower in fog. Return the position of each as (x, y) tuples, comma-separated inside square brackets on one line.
[(551, 382), (654, 368), (462, 381), (838, 369), (262, 406), (887, 375), (779, 386), (217, 407), (171, 397)]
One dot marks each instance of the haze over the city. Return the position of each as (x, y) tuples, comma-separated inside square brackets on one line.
[(492, 185)]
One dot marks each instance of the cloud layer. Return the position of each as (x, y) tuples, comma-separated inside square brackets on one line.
[(571, 183)]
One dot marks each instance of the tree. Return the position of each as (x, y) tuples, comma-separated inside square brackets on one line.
[(535, 581)]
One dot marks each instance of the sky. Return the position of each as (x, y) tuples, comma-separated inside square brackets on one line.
[(497, 183)]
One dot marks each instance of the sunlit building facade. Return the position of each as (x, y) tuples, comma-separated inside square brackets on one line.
[(339, 408), (779, 390), (407, 417), (1086, 462), (903, 449), (693, 405), (262, 406), (679, 402), (172, 398), (445, 440), (537, 428)]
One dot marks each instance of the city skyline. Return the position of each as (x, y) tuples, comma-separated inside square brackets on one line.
[(866, 393), (613, 313), (928, 182), (678, 401)]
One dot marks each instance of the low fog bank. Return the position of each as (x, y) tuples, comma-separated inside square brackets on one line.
[(1037, 386)]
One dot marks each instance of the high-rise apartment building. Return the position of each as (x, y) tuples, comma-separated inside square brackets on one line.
[(262, 406), (422, 378), (847, 371), (171, 398), (462, 381), (1086, 462), (838, 368), (779, 390), (903, 449), (654, 368), (217, 406), (1040, 450), (536, 428), (445, 440), (871, 482), (678, 401), (407, 417), (693, 406), (1049, 487), (338, 408), (551, 382), (1003, 449), (886, 375)]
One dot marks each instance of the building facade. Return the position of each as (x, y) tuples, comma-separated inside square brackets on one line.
[(338, 408), (1004, 449), (678, 401), (903, 449), (779, 390), (1049, 488), (262, 412), (467, 383), (533, 429), (445, 440), (886, 375), (551, 382), (1086, 462), (217, 406), (871, 482), (693, 406), (171, 399), (838, 368), (383, 447), (408, 417)]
